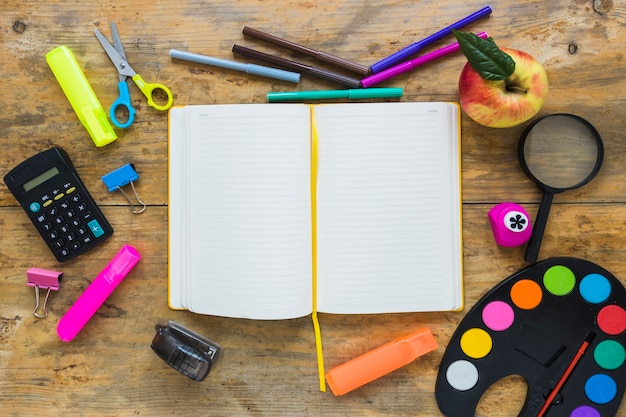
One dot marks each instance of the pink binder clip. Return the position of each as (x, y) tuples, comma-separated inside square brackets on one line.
[(43, 279)]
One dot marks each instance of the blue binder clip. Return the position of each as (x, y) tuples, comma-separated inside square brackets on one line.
[(120, 177)]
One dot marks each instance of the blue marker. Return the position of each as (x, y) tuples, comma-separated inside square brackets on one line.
[(407, 52), (254, 69)]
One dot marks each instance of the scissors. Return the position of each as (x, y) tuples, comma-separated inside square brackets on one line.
[(125, 71)]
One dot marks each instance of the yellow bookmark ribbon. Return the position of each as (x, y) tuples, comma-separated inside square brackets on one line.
[(316, 323)]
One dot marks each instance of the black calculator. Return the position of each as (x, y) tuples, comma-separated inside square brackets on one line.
[(55, 199)]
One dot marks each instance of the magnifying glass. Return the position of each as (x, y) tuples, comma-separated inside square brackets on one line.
[(559, 152)]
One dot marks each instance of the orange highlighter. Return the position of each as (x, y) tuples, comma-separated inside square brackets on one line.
[(380, 361)]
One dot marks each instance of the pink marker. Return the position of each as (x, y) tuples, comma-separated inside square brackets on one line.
[(97, 292), (409, 65)]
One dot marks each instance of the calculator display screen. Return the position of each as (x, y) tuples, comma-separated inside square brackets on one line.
[(40, 179)]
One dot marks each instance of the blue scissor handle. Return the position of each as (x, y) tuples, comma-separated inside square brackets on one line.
[(124, 101)]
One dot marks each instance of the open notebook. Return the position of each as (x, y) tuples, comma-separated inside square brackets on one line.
[(280, 210)]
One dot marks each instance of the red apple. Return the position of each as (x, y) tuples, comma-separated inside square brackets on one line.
[(504, 103)]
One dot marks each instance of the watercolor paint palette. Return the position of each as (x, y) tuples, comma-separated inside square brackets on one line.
[(557, 316)]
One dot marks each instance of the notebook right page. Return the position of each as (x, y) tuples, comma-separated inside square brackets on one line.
[(388, 208)]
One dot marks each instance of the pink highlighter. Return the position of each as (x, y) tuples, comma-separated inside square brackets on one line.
[(97, 292)]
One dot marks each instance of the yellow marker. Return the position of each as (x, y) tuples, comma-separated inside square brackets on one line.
[(80, 95)]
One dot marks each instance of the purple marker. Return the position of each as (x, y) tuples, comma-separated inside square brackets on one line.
[(409, 65), (405, 53)]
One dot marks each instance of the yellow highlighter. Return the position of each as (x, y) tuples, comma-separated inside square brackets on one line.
[(78, 91)]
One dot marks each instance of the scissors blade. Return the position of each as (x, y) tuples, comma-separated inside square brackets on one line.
[(117, 41), (123, 68)]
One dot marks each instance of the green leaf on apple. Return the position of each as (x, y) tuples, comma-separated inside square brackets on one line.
[(485, 56)]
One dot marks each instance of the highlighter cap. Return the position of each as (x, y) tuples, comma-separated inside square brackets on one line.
[(81, 96)]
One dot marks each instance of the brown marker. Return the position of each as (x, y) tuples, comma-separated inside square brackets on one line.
[(298, 67), (320, 55)]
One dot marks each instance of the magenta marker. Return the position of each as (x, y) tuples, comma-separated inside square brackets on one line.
[(97, 292), (409, 65)]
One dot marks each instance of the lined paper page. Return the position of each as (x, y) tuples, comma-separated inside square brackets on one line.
[(250, 221), (177, 180), (388, 208)]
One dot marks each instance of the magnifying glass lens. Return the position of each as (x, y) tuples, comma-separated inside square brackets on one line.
[(561, 151)]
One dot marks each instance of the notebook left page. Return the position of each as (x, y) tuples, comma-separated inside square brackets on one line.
[(246, 212)]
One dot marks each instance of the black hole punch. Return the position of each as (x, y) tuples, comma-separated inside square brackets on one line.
[(186, 351)]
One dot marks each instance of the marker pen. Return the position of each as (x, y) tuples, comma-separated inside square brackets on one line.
[(298, 67), (406, 52), (80, 95), (351, 94), (413, 63), (380, 361), (320, 55), (97, 292), (253, 69)]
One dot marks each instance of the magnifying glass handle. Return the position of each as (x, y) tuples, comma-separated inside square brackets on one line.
[(532, 250)]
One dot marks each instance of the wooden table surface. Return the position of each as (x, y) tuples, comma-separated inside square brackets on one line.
[(269, 367)]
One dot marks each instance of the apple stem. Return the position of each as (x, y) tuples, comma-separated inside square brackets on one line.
[(512, 87)]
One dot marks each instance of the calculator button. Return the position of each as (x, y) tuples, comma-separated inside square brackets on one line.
[(87, 215), (70, 190), (59, 219), (53, 235), (70, 214), (75, 222), (71, 237), (59, 243), (95, 228), (65, 228), (48, 226), (54, 211), (76, 245), (42, 218), (82, 231), (65, 251), (76, 198), (65, 204), (34, 207), (87, 239), (47, 203), (58, 196)]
